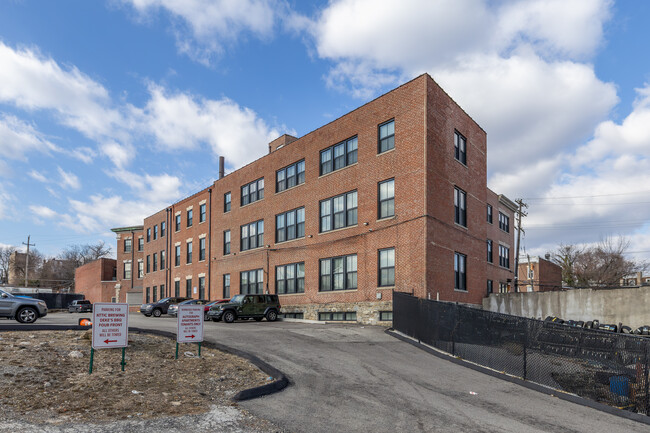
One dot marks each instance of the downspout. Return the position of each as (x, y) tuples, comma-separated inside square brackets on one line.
[(132, 259), (167, 273), (209, 243)]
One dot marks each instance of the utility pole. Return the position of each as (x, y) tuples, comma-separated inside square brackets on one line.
[(27, 257), (520, 213)]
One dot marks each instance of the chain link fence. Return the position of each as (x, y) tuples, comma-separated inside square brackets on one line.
[(606, 367)]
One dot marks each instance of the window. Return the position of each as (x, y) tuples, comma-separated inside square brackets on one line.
[(226, 202), (140, 244), (338, 273), (202, 213), (177, 254), (251, 282), (226, 286), (226, 242), (292, 315), (149, 235), (162, 291), (504, 256), (386, 136), (290, 176), (177, 288), (490, 287), (252, 192), (460, 261), (127, 245), (386, 198), (338, 212), (188, 288), (201, 287), (387, 267), (190, 217), (252, 235), (188, 256), (148, 295), (127, 270), (155, 293), (460, 207), (163, 227), (148, 264), (344, 316), (385, 316), (489, 213), (290, 225), (162, 260), (155, 232), (140, 269), (155, 262), (460, 148), (503, 287), (290, 278), (178, 222), (504, 222), (338, 156), (489, 251), (201, 250)]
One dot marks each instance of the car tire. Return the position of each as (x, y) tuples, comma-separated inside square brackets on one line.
[(271, 316), (156, 312), (229, 317), (258, 319), (26, 315)]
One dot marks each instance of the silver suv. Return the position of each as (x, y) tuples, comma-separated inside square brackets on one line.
[(24, 310)]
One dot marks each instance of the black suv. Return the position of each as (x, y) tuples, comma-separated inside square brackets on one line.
[(247, 307), (80, 306), (157, 309)]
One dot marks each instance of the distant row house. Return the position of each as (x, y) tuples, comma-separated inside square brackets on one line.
[(391, 196)]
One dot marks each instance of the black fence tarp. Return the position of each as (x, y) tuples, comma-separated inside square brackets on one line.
[(606, 367), (55, 301)]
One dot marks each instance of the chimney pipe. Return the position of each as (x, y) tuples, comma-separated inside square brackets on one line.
[(221, 167)]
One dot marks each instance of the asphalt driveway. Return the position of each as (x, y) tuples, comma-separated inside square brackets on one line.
[(352, 378)]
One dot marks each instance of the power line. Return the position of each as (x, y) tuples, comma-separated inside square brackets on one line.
[(587, 196)]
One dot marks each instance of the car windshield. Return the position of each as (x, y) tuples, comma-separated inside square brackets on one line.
[(2, 292), (162, 301), (237, 299), (83, 302), (189, 301)]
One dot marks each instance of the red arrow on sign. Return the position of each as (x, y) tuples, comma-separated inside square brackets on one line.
[(110, 341), (191, 336)]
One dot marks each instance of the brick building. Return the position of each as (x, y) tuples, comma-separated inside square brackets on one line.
[(97, 281), (392, 195), (537, 274), (130, 264)]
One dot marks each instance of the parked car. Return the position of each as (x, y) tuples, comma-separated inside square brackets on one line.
[(80, 306), (211, 304), (173, 309), (23, 309), (157, 309), (247, 307)]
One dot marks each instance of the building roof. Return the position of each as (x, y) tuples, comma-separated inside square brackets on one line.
[(127, 229)]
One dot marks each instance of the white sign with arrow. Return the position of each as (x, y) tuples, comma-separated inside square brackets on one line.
[(190, 324), (110, 325)]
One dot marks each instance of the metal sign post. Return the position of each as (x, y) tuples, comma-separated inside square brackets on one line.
[(110, 329), (190, 325)]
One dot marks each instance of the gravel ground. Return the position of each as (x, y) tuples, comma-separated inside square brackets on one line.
[(45, 386)]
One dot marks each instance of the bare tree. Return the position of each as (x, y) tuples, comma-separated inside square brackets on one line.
[(5, 253), (79, 255), (601, 265)]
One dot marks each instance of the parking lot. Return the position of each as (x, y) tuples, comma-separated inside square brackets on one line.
[(357, 378)]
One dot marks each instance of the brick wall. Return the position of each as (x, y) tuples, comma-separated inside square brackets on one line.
[(94, 281)]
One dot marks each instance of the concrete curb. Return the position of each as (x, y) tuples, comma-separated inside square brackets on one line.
[(644, 419), (281, 381)]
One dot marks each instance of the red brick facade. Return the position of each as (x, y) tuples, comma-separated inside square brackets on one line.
[(539, 275), (96, 280), (422, 231), (130, 252)]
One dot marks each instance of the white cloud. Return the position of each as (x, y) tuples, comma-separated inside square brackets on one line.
[(68, 179), (6, 203), (204, 27), (83, 154), (38, 176), (43, 211), (17, 138), (181, 121)]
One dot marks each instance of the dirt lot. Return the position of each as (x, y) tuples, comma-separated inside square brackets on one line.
[(44, 379)]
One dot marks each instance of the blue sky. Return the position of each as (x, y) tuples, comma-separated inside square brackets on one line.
[(127, 104)]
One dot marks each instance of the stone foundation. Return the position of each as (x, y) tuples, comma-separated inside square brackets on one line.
[(367, 312)]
